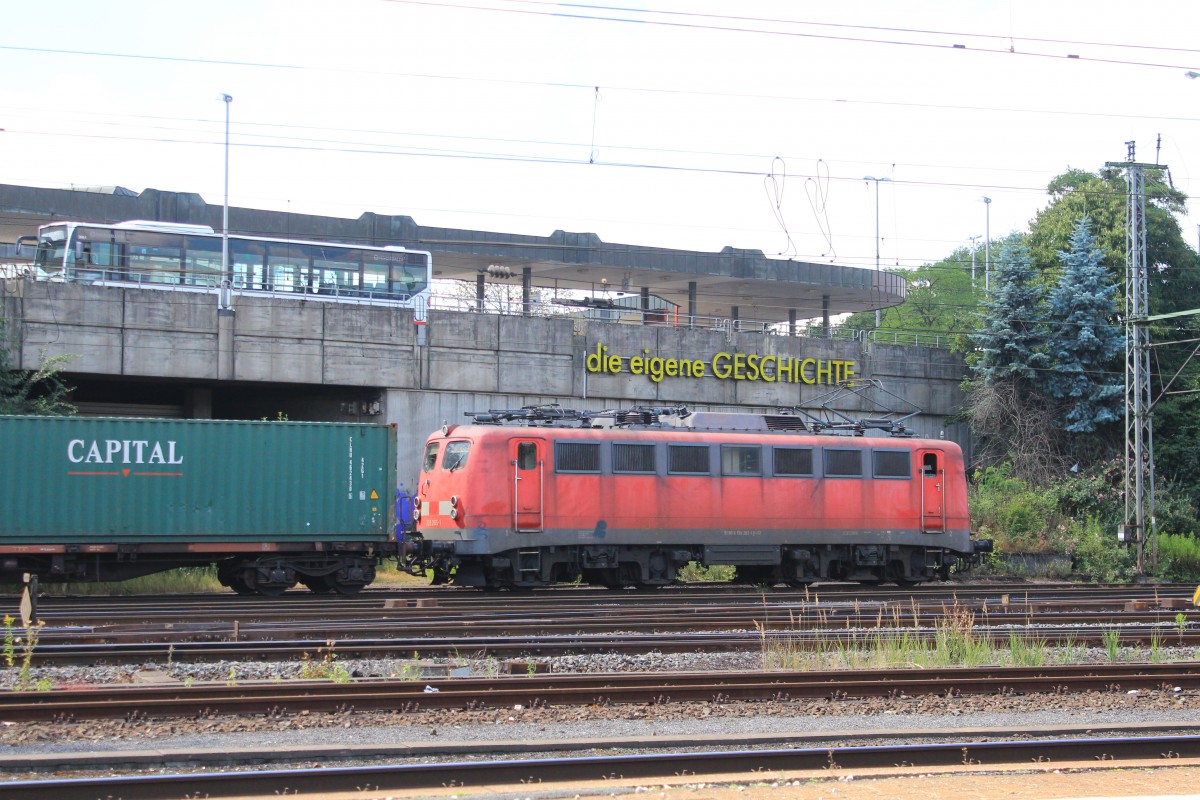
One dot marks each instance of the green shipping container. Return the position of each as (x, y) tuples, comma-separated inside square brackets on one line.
[(82, 480)]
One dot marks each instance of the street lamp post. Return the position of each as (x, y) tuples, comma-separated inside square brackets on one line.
[(226, 278), (974, 244), (987, 245), (878, 317)]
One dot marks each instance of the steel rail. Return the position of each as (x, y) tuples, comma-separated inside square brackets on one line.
[(527, 773), (303, 603), (581, 690), (228, 643)]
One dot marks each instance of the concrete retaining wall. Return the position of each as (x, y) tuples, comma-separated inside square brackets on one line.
[(457, 362)]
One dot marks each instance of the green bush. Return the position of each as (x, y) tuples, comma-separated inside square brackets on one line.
[(1098, 556), (1178, 558), (1095, 492), (693, 571), (1018, 517), (1174, 511)]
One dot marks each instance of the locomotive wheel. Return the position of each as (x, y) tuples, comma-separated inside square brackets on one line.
[(755, 575), (608, 578)]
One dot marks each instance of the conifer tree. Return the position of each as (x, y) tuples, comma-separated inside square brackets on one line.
[(1084, 340), (1012, 418), (1012, 340)]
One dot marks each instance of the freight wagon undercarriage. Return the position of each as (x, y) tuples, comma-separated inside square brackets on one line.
[(261, 568), (646, 566)]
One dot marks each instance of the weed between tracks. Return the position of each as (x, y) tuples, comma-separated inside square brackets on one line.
[(899, 641), (17, 653)]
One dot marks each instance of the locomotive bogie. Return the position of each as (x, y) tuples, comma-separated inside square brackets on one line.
[(630, 506)]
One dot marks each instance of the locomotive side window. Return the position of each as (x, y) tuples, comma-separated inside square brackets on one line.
[(930, 465), (843, 463), (737, 459), (526, 455), (576, 457), (793, 461), (633, 458), (893, 464), (456, 455), (431, 451), (687, 459)]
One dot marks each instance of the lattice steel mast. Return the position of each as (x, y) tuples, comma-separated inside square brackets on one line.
[(1139, 430)]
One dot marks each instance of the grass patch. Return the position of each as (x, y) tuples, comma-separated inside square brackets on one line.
[(184, 580), (190, 580), (694, 572)]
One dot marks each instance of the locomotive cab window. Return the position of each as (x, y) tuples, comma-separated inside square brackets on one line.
[(739, 459), (455, 456), (843, 463), (687, 459), (793, 461), (431, 454), (893, 464), (929, 465), (576, 457), (637, 458)]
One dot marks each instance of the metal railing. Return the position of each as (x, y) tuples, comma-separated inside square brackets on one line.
[(672, 319), (515, 306)]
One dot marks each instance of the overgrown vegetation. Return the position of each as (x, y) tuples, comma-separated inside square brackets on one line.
[(184, 580), (1045, 345), (1078, 516), (40, 392), (899, 642)]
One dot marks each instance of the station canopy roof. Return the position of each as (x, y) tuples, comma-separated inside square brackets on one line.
[(761, 288)]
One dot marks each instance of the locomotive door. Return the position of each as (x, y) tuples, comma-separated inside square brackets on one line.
[(933, 484), (528, 483)]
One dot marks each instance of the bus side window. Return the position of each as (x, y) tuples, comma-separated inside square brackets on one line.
[(84, 266)]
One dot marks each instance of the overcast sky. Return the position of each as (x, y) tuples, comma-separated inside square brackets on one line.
[(693, 125)]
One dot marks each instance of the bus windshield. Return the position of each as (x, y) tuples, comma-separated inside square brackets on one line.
[(51, 248)]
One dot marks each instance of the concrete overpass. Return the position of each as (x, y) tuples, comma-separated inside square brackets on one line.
[(148, 352), (731, 284)]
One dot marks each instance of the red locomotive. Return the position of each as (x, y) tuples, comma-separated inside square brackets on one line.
[(544, 495)]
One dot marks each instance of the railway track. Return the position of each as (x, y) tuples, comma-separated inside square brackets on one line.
[(223, 647), (432, 624), (139, 702), (764, 764)]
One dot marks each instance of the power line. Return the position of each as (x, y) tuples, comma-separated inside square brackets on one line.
[(559, 14)]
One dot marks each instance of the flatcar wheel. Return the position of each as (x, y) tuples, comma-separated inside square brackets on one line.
[(271, 589), (347, 589), (237, 581), (318, 584)]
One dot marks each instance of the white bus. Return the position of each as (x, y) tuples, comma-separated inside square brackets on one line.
[(166, 255)]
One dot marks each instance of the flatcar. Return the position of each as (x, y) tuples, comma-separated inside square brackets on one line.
[(537, 496)]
